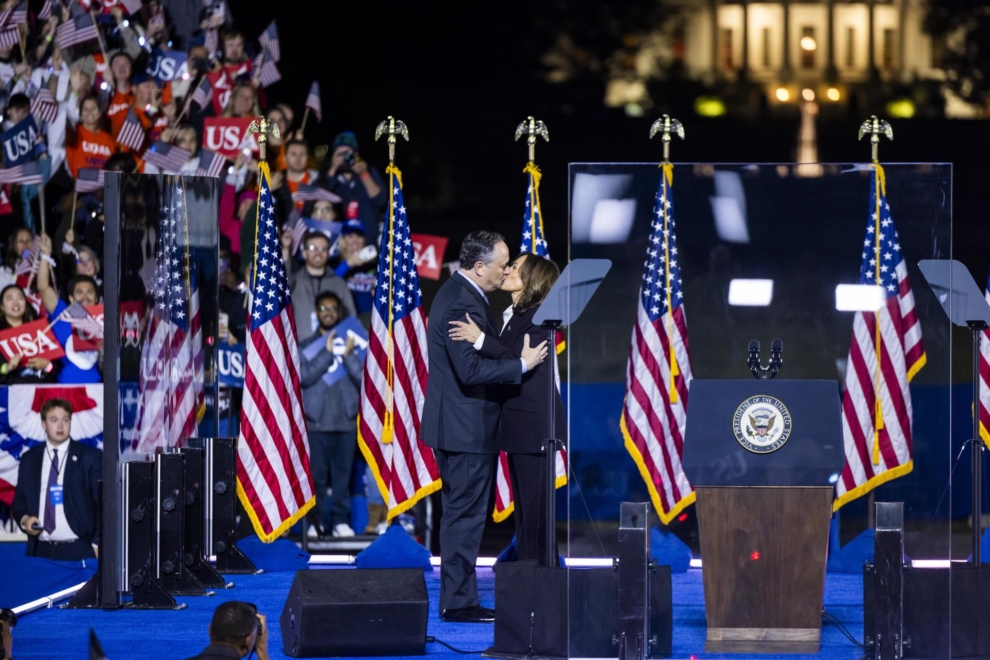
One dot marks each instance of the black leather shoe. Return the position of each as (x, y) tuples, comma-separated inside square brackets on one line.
[(470, 614)]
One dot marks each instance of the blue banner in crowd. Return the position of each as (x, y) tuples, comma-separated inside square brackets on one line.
[(20, 143), (230, 360), (348, 327), (168, 65)]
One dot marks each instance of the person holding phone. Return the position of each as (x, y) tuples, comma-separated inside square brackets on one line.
[(237, 630), (357, 265)]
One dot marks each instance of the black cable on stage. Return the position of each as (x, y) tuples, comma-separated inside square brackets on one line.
[(431, 639), (831, 618)]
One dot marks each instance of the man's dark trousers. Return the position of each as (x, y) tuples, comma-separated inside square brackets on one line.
[(333, 452)]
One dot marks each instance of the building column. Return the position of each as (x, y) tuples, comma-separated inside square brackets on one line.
[(901, 31), (713, 12), (831, 73), (871, 61), (785, 70), (744, 70)]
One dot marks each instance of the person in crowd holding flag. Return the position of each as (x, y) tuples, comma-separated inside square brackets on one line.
[(523, 423), (184, 137), (19, 109), (461, 417), (352, 179), (16, 311), (55, 502), (331, 414), (235, 62), (90, 143), (77, 366), (312, 279), (80, 260), (356, 266), (20, 243), (148, 105), (121, 92), (297, 171)]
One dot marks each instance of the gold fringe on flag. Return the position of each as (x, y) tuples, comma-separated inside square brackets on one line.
[(880, 184), (388, 427)]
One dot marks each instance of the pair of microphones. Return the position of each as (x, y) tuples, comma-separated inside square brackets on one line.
[(773, 365)]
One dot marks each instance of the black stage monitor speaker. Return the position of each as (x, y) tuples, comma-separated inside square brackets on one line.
[(355, 612)]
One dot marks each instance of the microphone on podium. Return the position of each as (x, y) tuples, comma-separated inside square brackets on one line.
[(776, 356), (753, 362)]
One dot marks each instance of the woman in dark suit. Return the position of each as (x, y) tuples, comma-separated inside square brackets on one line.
[(524, 407)]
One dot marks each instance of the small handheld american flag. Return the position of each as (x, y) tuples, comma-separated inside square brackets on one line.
[(79, 318), (313, 101), (20, 13), (26, 174), (168, 157), (131, 7), (44, 106), (269, 41), (76, 31), (307, 193), (89, 180), (265, 69), (203, 93), (131, 133), (210, 164)]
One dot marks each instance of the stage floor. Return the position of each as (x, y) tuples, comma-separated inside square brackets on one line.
[(174, 635)]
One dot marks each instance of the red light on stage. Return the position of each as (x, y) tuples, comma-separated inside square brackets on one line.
[(682, 517), (754, 556)]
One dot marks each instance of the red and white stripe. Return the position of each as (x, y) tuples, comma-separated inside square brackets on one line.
[(985, 382), (273, 451), (902, 354), (406, 469), (653, 426)]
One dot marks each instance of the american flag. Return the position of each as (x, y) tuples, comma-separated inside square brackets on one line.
[(130, 6), (658, 375), (313, 101), (265, 69), (274, 481), (308, 193), (89, 180), (167, 157), (985, 381), (394, 385), (26, 174), (171, 394), (269, 41), (44, 106), (19, 14), (203, 93), (76, 31), (131, 133), (27, 266), (533, 242), (9, 35), (885, 353), (211, 41), (79, 318), (210, 164), (46, 11)]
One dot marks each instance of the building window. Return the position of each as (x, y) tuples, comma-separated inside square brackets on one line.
[(725, 50), (765, 47), (809, 46), (888, 48), (851, 47)]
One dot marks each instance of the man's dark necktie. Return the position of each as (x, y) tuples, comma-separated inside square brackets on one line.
[(52, 481)]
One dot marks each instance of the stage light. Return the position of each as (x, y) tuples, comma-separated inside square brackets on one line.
[(808, 94), (859, 297), (783, 95), (750, 293), (833, 94), (808, 43), (901, 108), (634, 110), (833, 478), (709, 106), (612, 221)]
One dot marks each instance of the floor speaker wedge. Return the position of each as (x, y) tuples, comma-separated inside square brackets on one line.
[(355, 612)]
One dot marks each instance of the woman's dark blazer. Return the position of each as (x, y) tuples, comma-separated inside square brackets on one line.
[(524, 407)]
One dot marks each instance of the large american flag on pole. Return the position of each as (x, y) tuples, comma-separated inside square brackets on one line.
[(885, 353), (534, 242), (985, 381), (658, 375), (171, 393), (274, 482), (394, 386)]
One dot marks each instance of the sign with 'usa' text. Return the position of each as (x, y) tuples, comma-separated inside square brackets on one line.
[(21, 143)]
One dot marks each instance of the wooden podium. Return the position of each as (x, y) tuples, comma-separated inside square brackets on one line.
[(764, 509)]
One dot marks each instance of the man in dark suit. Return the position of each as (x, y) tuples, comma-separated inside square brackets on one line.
[(461, 416), (56, 496)]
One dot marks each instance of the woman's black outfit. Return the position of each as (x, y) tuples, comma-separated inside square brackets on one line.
[(522, 432)]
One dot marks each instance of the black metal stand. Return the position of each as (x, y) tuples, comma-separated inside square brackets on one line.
[(550, 447), (977, 328)]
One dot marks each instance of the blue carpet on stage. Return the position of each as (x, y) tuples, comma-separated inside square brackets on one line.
[(174, 635)]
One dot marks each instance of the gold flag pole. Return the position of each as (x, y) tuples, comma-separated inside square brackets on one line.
[(532, 129), (875, 128), (668, 126), (391, 127), (262, 127)]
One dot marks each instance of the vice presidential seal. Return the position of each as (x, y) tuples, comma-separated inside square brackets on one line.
[(762, 424)]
